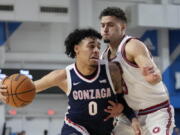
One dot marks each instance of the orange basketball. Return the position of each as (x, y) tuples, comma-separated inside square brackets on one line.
[(20, 90)]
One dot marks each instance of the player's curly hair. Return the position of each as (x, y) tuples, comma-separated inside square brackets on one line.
[(76, 37), (114, 11)]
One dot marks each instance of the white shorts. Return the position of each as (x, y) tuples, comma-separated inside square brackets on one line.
[(160, 122)]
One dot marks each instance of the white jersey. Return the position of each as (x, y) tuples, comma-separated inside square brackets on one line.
[(139, 94)]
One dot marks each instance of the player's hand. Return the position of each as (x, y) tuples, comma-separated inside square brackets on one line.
[(114, 110), (151, 75), (3, 89), (136, 126)]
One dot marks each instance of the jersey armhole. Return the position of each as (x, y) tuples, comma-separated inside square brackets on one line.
[(123, 54)]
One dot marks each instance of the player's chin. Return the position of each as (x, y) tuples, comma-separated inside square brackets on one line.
[(106, 40), (94, 62)]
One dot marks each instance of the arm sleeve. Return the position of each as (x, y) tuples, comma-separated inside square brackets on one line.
[(128, 112)]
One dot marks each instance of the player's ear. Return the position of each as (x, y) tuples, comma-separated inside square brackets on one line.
[(76, 49), (123, 26)]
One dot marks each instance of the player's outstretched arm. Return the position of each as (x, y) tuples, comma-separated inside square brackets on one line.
[(137, 52), (54, 78)]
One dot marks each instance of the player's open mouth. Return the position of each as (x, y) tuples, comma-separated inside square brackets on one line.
[(94, 58)]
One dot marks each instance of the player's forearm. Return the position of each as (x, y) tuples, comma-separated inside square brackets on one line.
[(128, 112), (39, 86)]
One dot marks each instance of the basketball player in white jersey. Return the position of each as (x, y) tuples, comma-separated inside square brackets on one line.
[(144, 90)]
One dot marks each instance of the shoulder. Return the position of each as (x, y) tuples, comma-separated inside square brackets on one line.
[(58, 74), (135, 46), (135, 43)]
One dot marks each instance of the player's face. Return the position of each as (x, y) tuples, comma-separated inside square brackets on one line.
[(112, 28), (88, 51)]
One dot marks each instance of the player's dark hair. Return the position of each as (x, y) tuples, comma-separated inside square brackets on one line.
[(76, 37), (114, 11)]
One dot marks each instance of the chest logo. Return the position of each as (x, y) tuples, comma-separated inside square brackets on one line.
[(103, 81), (76, 83)]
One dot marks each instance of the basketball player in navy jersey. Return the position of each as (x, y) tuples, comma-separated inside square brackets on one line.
[(90, 85), (144, 90)]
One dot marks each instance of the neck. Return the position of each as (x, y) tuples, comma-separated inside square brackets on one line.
[(85, 69), (115, 44)]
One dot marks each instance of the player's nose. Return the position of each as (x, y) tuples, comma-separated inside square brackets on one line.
[(106, 29), (96, 50)]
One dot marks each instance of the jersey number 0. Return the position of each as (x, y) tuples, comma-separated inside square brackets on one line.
[(92, 108)]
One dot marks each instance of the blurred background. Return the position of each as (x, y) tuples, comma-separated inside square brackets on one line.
[(32, 34)]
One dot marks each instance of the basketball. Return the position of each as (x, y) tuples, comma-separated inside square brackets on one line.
[(20, 90)]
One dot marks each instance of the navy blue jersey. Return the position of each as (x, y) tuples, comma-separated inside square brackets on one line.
[(88, 98)]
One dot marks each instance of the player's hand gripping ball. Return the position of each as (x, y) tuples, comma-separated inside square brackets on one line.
[(20, 90)]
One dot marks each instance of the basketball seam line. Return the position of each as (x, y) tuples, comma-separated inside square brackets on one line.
[(20, 84), (12, 96), (27, 101), (16, 88), (20, 93), (23, 93)]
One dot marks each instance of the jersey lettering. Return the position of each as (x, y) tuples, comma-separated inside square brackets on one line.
[(91, 94)]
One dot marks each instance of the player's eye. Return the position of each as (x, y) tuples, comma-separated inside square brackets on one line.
[(102, 25)]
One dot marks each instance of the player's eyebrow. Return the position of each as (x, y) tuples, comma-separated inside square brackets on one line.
[(91, 42)]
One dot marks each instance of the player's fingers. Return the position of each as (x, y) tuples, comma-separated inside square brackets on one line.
[(108, 117), (113, 114), (144, 71), (110, 107), (151, 71), (4, 101), (111, 103), (137, 129), (3, 90), (148, 67), (3, 98), (3, 87), (138, 132), (155, 74), (108, 111)]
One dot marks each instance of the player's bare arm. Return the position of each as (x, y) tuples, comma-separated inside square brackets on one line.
[(54, 78), (116, 76), (137, 52), (115, 109)]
